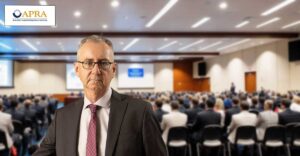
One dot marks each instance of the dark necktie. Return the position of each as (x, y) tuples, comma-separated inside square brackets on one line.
[(91, 145)]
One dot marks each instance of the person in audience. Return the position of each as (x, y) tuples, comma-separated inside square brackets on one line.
[(295, 106), (232, 88), (174, 119), (219, 107), (166, 104), (287, 115), (158, 111), (266, 118), (7, 127), (192, 112), (15, 113), (125, 125), (244, 118), (204, 118), (234, 110)]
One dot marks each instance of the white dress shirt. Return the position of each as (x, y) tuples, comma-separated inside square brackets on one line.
[(102, 115)]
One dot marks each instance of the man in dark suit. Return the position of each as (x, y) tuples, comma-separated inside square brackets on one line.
[(192, 112), (288, 116), (204, 118), (158, 110), (120, 126), (234, 110)]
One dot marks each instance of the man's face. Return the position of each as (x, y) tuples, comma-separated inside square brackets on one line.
[(95, 79)]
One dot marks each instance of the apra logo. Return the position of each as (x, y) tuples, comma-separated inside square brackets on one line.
[(30, 14), (17, 13)]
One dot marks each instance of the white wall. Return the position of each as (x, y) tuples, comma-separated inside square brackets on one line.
[(270, 62), (50, 78)]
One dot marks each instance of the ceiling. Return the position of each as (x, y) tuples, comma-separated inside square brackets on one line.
[(170, 38)]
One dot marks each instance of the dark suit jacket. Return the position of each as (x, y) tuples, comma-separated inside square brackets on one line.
[(229, 113), (288, 116), (159, 113), (192, 114), (204, 118), (132, 130)]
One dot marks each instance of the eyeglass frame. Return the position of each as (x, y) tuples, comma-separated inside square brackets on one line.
[(100, 66)]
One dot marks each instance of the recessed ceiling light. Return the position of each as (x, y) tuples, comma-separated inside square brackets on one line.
[(268, 22), (121, 43), (223, 5), (77, 26), (131, 44), (59, 43), (291, 25), (234, 44), (192, 44), (104, 26), (200, 22), (166, 39), (29, 44), (277, 7), (242, 24), (5, 46), (37, 42), (167, 45), (164, 10), (115, 3), (43, 2), (211, 45), (77, 13)]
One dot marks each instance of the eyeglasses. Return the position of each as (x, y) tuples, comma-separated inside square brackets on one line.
[(104, 65)]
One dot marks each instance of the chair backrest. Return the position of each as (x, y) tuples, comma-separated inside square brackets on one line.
[(3, 139), (275, 133), (296, 132), (18, 127), (177, 133), (211, 132), (245, 133), (289, 129)]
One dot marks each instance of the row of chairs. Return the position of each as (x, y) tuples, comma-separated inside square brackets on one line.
[(276, 137)]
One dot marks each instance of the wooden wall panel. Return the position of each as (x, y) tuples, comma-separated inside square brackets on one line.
[(183, 78)]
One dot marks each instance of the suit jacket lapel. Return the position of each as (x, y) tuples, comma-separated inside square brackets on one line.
[(117, 111), (73, 122)]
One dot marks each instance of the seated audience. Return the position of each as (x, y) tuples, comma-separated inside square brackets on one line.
[(244, 118), (219, 107), (173, 119), (287, 115), (192, 112), (158, 112), (266, 118), (233, 110), (296, 104)]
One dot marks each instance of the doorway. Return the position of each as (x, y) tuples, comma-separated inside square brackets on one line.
[(250, 82)]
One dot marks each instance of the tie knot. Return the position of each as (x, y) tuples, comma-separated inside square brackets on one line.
[(93, 108)]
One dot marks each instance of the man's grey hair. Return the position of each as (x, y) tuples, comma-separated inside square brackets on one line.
[(96, 38)]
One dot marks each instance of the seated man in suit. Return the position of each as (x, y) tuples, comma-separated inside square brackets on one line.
[(287, 115), (7, 127), (174, 119), (105, 122), (244, 118), (234, 110), (204, 118), (158, 110)]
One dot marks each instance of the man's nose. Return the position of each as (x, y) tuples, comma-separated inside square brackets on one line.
[(96, 69)]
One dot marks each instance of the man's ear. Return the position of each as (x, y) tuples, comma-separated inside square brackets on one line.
[(114, 68), (76, 68)]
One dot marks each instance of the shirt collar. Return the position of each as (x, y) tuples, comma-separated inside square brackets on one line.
[(104, 101)]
